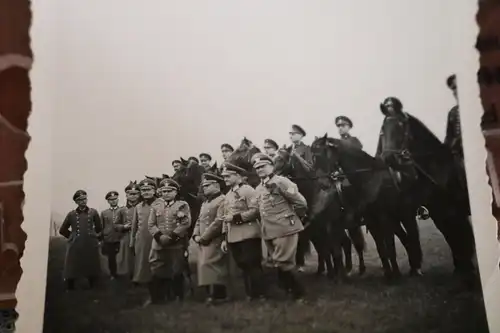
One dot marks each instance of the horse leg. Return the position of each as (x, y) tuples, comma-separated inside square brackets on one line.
[(414, 248), (380, 243), (391, 250), (346, 244), (358, 239)]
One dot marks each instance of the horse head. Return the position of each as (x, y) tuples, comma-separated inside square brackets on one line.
[(282, 165), (242, 157)]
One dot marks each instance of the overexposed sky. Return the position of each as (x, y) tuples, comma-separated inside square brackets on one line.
[(139, 83)]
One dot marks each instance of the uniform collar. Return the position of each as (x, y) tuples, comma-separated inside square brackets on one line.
[(129, 205), (345, 136), (113, 208), (82, 210), (169, 203), (236, 187), (213, 196), (267, 179)]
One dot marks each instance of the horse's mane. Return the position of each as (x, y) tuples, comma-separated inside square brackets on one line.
[(360, 157), (425, 136)]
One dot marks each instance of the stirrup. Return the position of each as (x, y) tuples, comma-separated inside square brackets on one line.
[(422, 213)]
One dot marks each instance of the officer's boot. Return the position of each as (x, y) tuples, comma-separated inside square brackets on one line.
[(70, 284), (178, 287), (155, 291), (297, 290), (257, 282), (248, 285)]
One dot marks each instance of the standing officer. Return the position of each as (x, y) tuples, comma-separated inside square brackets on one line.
[(212, 263), (125, 257), (239, 214), (344, 124), (82, 227), (111, 236), (205, 160), (168, 223), (281, 208), (297, 133), (140, 238), (270, 147), (453, 137)]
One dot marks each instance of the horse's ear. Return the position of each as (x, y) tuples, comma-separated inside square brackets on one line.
[(325, 136), (165, 176), (214, 167), (183, 161), (148, 177)]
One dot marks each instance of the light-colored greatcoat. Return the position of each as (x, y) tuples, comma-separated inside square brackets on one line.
[(212, 263), (125, 257), (141, 241)]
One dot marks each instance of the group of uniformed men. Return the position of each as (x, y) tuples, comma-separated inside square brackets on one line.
[(147, 239)]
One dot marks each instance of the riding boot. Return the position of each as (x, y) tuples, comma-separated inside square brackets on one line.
[(178, 287), (70, 284), (248, 285), (282, 283), (156, 292), (92, 282), (296, 287), (257, 282)]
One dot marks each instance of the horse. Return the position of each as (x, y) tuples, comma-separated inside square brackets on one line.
[(189, 177), (433, 179), (242, 157), (296, 169), (377, 199)]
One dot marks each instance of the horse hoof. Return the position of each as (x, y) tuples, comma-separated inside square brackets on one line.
[(362, 271), (301, 269)]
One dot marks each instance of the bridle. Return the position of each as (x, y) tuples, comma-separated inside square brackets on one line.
[(403, 153)]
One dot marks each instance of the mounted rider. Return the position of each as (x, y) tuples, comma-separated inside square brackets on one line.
[(453, 138), (344, 125), (399, 160)]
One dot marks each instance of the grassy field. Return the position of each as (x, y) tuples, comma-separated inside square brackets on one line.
[(366, 304)]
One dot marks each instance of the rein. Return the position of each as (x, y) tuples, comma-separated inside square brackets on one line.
[(405, 154)]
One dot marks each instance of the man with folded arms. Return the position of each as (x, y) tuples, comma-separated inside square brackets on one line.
[(281, 209)]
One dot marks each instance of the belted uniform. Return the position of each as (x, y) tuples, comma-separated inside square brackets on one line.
[(281, 208), (169, 224), (111, 236), (212, 263)]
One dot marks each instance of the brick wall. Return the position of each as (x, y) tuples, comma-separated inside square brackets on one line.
[(15, 107), (488, 46)]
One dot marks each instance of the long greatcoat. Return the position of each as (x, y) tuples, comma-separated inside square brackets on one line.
[(125, 257), (212, 263), (81, 227), (141, 241)]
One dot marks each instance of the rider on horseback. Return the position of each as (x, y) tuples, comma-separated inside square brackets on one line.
[(392, 108), (344, 125)]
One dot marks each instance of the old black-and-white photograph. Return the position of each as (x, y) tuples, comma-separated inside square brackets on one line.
[(259, 166)]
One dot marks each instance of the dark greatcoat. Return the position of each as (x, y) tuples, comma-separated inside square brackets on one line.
[(81, 227)]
